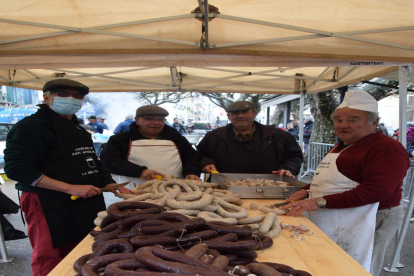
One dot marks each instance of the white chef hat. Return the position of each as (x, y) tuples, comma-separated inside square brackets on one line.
[(359, 99)]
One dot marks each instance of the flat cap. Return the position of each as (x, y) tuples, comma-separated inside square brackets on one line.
[(92, 117), (65, 84), (101, 118), (151, 110), (241, 105)]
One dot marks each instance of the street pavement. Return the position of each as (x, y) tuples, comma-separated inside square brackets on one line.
[(21, 251)]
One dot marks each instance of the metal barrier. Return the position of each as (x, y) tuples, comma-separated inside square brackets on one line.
[(316, 152)]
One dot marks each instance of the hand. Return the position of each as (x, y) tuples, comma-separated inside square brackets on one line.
[(150, 174), (84, 191), (298, 207), (193, 177), (208, 168), (121, 190), (283, 172), (299, 195)]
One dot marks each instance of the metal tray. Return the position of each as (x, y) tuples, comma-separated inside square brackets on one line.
[(258, 192)]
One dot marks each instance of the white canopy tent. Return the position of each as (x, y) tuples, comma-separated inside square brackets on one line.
[(267, 46)]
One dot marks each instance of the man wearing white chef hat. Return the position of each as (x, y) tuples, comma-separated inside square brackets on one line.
[(355, 194)]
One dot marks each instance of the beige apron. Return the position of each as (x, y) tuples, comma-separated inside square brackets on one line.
[(351, 228), (158, 155)]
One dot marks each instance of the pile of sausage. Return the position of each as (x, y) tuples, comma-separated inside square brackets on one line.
[(262, 182), (140, 238), (204, 200)]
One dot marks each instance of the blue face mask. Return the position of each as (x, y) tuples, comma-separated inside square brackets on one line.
[(66, 106)]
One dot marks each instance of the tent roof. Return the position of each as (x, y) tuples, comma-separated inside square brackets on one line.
[(265, 46)]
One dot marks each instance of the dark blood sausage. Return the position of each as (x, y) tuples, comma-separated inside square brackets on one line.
[(197, 251), (128, 234), (230, 237), (107, 220), (110, 227), (248, 254), (120, 245), (213, 252), (263, 241), (91, 267), (231, 246), (128, 223), (171, 216), (104, 238), (240, 270), (150, 222), (301, 273), (95, 233), (149, 240), (184, 225), (124, 209), (220, 262), (240, 261), (225, 228), (77, 266), (263, 270), (127, 267), (167, 261), (280, 267)]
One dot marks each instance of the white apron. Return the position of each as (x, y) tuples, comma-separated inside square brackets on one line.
[(158, 155), (351, 228)]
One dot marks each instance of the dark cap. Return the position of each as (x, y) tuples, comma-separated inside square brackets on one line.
[(65, 84), (92, 117), (81, 121), (151, 110), (242, 105)]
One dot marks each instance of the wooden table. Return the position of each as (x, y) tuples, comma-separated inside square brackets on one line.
[(318, 254)]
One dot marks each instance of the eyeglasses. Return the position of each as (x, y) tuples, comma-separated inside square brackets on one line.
[(153, 119), (65, 94)]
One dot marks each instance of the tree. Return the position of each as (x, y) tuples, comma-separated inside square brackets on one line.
[(164, 97), (225, 99)]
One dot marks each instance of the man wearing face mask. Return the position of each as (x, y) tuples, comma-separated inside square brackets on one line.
[(52, 157)]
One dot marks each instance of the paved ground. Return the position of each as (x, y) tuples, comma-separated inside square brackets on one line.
[(21, 250)]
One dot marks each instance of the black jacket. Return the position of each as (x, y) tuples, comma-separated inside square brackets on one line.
[(114, 156), (307, 132), (270, 149)]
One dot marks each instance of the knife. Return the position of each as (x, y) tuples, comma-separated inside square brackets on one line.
[(106, 189), (282, 204), (218, 174)]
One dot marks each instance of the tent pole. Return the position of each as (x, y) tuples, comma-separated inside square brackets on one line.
[(301, 107), (403, 74)]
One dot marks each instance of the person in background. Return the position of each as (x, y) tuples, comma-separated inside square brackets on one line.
[(365, 168), (292, 131), (150, 148), (124, 126), (102, 121), (307, 130), (98, 127), (82, 124), (382, 129), (246, 146), (208, 127), (410, 133), (178, 127), (52, 158), (190, 127), (167, 123)]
